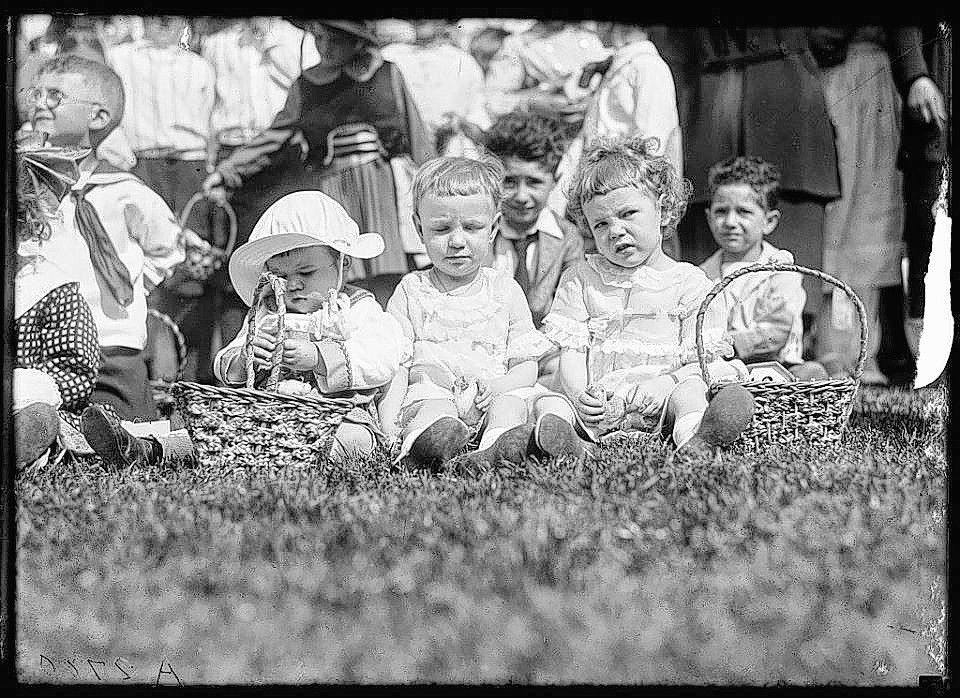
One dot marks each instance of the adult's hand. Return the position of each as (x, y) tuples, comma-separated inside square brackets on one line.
[(925, 102), (213, 188)]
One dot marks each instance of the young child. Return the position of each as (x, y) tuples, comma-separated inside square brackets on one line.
[(765, 321), (57, 356), (342, 343), (534, 244), (625, 318), (475, 349), (117, 236)]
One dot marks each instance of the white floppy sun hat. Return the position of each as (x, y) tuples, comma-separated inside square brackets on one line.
[(300, 219)]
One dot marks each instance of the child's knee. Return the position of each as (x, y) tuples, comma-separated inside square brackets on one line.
[(507, 407), (554, 404)]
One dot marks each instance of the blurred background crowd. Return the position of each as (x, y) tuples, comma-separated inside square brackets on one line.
[(856, 118)]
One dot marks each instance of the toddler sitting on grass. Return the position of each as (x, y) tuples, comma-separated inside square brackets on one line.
[(765, 320), (625, 318), (473, 367), (346, 345)]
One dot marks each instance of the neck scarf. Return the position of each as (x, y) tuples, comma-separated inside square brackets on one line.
[(112, 275)]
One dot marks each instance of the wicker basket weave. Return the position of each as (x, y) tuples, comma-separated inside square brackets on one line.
[(237, 428), (811, 412)]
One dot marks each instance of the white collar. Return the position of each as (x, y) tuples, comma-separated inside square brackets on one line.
[(546, 223)]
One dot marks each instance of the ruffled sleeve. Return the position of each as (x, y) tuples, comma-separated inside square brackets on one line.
[(523, 341), (694, 289), (367, 354), (528, 346), (566, 323)]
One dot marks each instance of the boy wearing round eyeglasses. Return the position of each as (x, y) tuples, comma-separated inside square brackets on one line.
[(119, 237)]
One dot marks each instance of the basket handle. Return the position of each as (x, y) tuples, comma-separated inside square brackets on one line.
[(778, 267), (277, 285), (225, 205)]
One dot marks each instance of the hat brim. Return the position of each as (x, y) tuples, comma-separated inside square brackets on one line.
[(344, 25), (247, 261)]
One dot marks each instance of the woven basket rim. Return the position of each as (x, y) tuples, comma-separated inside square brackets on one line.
[(182, 387)]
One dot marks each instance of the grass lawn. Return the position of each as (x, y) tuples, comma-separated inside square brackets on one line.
[(794, 566)]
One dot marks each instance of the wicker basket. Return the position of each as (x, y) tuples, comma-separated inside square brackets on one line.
[(233, 428), (160, 385), (200, 264), (812, 412)]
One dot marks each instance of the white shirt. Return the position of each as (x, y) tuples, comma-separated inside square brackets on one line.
[(254, 73), (144, 233), (505, 254), (169, 93), (636, 96), (442, 78)]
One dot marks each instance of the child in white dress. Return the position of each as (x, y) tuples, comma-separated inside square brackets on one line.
[(338, 340), (625, 318), (473, 367)]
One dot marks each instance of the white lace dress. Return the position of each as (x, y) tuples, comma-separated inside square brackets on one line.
[(634, 323), (473, 332)]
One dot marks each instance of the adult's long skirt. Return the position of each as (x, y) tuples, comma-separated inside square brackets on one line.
[(863, 228)]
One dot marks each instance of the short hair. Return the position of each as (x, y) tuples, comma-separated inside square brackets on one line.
[(486, 43), (758, 174), (103, 83), (528, 136), (460, 176), (613, 163)]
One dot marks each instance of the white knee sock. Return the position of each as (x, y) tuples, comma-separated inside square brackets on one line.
[(685, 427)]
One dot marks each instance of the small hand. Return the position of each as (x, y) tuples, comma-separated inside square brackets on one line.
[(300, 354), (589, 407), (262, 346), (484, 395), (925, 102), (649, 396)]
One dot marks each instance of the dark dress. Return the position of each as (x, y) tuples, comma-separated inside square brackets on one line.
[(272, 164)]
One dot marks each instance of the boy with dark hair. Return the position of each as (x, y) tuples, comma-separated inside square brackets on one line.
[(765, 320), (117, 236), (534, 244)]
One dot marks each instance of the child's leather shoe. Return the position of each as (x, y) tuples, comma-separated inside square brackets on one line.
[(513, 445), (554, 436), (35, 428), (728, 414), (115, 445), (439, 442)]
